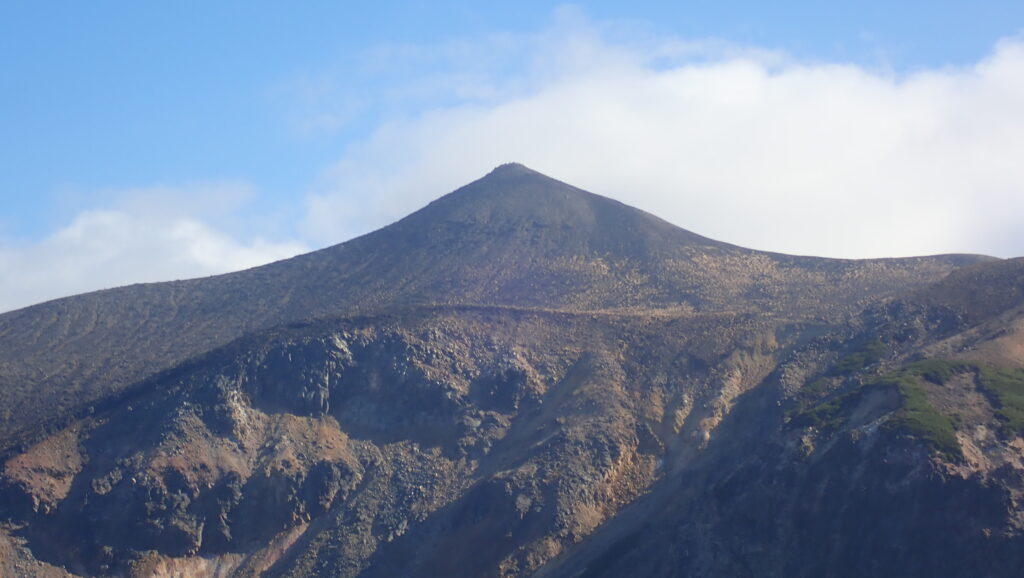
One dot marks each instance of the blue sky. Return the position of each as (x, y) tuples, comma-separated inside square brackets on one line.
[(147, 141)]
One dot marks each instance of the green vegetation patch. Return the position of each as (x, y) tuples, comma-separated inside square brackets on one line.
[(939, 371), (829, 415), (815, 389), (865, 355), (918, 417), (810, 393), (1006, 387)]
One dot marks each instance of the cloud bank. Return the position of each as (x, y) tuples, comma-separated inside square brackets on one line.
[(739, 144)]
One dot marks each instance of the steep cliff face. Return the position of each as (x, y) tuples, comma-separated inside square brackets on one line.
[(523, 378), (383, 445)]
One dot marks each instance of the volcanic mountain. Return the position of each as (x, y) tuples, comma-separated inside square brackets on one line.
[(522, 378)]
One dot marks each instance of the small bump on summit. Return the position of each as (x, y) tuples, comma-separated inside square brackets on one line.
[(510, 169)]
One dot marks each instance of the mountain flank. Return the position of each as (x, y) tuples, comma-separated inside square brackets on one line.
[(523, 378), (514, 237)]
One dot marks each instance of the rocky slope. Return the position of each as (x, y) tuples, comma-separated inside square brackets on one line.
[(523, 378), (893, 447), (514, 237)]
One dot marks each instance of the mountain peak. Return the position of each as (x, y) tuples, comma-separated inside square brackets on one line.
[(524, 210), (519, 179), (511, 169)]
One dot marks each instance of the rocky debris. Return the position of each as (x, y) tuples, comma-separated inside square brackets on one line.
[(377, 437)]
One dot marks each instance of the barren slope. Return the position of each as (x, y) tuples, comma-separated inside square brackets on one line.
[(514, 237)]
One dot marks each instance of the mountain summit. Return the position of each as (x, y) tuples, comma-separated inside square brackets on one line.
[(522, 378), (536, 213)]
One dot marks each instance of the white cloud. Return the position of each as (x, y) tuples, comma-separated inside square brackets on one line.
[(145, 235), (740, 144)]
